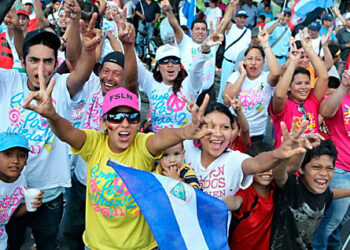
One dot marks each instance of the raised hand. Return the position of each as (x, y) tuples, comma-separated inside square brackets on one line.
[(305, 39), (200, 126), (325, 38), (90, 38), (346, 78), (11, 20), (294, 53), (235, 103), (191, 105), (42, 97), (263, 37), (72, 9), (291, 141), (126, 30), (213, 39), (165, 5)]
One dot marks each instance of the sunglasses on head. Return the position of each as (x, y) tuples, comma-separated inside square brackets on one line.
[(166, 60), (302, 110), (133, 118)]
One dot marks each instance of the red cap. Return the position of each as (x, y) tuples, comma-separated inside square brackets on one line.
[(22, 12)]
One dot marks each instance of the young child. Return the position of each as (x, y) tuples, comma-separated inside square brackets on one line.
[(213, 14), (172, 165), (13, 157), (300, 202), (251, 223)]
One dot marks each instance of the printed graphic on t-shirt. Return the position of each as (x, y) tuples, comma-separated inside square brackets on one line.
[(208, 72), (347, 117), (109, 195), (30, 124), (307, 222), (214, 183), (311, 128), (168, 110), (8, 205), (253, 99), (93, 113)]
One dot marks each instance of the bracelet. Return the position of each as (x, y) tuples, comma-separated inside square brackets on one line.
[(205, 52), (266, 46)]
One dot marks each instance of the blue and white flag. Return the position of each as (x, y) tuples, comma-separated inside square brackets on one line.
[(179, 216), (302, 8), (189, 11)]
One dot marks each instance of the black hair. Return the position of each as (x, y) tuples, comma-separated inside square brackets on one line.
[(213, 1), (35, 41), (326, 147), (216, 106), (263, 17), (255, 47), (298, 44), (235, 120), (333, 82), (334, 48), (199, 21), (301, 70), (87, 10), (259, 147), (177, 82), (267, 5), (184, 28)]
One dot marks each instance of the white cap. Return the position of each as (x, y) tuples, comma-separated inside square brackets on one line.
[(347, 15), (167, 51), (27, 1)]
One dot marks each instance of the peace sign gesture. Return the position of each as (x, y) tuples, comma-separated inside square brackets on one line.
[(199, 127), (305, 39), (294, 53), (263, 37), (213, 39), (126, 30), (89, 36), (42, 97)]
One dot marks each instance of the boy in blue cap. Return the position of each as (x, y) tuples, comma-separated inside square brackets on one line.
[(13, 157)]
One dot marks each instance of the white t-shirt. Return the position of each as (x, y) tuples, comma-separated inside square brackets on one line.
[(212, 14), (224, 176), (53, 17), (167, 109), (243, 43), (255, 96), (11, 195), (188, 50), (87, 108), (47, 165)]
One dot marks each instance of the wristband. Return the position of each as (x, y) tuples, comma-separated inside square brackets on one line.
[(266, 46)]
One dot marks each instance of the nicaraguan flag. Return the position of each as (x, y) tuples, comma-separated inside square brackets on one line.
[(189, 11), (179, 216), (302, 8)]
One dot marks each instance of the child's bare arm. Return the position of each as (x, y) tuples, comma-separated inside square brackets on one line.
[(242, 120), (340, 193), (21, 210), (233, 203)]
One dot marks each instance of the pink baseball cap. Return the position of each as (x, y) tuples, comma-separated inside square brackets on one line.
[(119, 97)]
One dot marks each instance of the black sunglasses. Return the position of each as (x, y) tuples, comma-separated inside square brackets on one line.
[(302, 110), (166, 60), (133, 118)]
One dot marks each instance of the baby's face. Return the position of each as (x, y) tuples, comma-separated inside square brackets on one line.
[(173, 157)]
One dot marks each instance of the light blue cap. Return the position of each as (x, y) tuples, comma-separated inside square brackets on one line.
[(13, 140)]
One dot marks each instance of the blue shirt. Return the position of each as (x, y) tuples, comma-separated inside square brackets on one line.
[(282, 46), (325, 31)]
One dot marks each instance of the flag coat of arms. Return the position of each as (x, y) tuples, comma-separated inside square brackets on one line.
[(179, 216)]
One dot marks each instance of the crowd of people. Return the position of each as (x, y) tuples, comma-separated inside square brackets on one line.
[(288, 190)]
